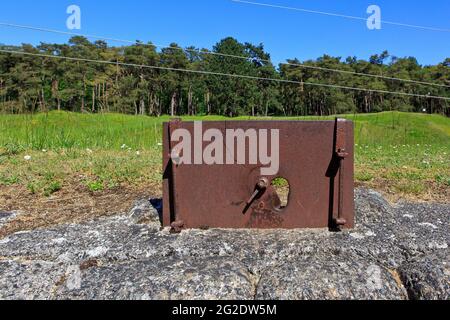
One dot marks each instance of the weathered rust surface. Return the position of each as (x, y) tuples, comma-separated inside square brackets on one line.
[(316, 157)]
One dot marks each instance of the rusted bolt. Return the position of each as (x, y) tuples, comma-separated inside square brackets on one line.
[(263, 183), (342, 153), (340, 222), (177, 226)]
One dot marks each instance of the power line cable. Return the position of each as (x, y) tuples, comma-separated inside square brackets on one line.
[(225, 55), (340, 15), (229, 75)]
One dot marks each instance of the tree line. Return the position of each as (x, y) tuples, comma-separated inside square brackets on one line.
[(39, 84)]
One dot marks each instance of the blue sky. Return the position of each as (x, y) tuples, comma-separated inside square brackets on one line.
[(285, 34)]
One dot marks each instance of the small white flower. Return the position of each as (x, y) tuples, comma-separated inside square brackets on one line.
[(44, 151), (89, 151), (138, 153), (27, 158), (123, 146), (160, 144)]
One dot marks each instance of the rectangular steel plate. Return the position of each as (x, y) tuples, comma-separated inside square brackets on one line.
[(214, 196)]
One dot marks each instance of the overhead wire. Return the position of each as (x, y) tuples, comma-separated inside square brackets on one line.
[(229, 75), (333, 14), (198, 51)]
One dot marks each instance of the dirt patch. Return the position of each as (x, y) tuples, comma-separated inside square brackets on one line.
[(76, 204), (432, 191), (73, 204)]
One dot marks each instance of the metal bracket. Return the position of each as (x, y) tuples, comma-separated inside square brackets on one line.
[(342, 154), (341, 138)]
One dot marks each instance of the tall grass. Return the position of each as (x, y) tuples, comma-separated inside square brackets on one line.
[(63, 130), (398, 152)]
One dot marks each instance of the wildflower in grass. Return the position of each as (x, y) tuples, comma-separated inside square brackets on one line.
[(89, 151), (123, 147), (138, 153), (27, 158), (44, 151)]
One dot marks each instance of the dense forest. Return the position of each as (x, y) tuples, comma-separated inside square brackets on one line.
[(39, 84)]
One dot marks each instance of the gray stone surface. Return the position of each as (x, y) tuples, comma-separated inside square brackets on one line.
[(5, 216), (144, 212), (162, 279), (335, 276), (395, 252), (427, 277)]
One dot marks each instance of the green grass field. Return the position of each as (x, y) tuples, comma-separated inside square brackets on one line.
[(401, 154)]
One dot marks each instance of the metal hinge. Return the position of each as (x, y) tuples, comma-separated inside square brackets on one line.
[(341, 153)]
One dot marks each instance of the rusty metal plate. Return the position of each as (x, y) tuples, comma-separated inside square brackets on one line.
[(315, 157)]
